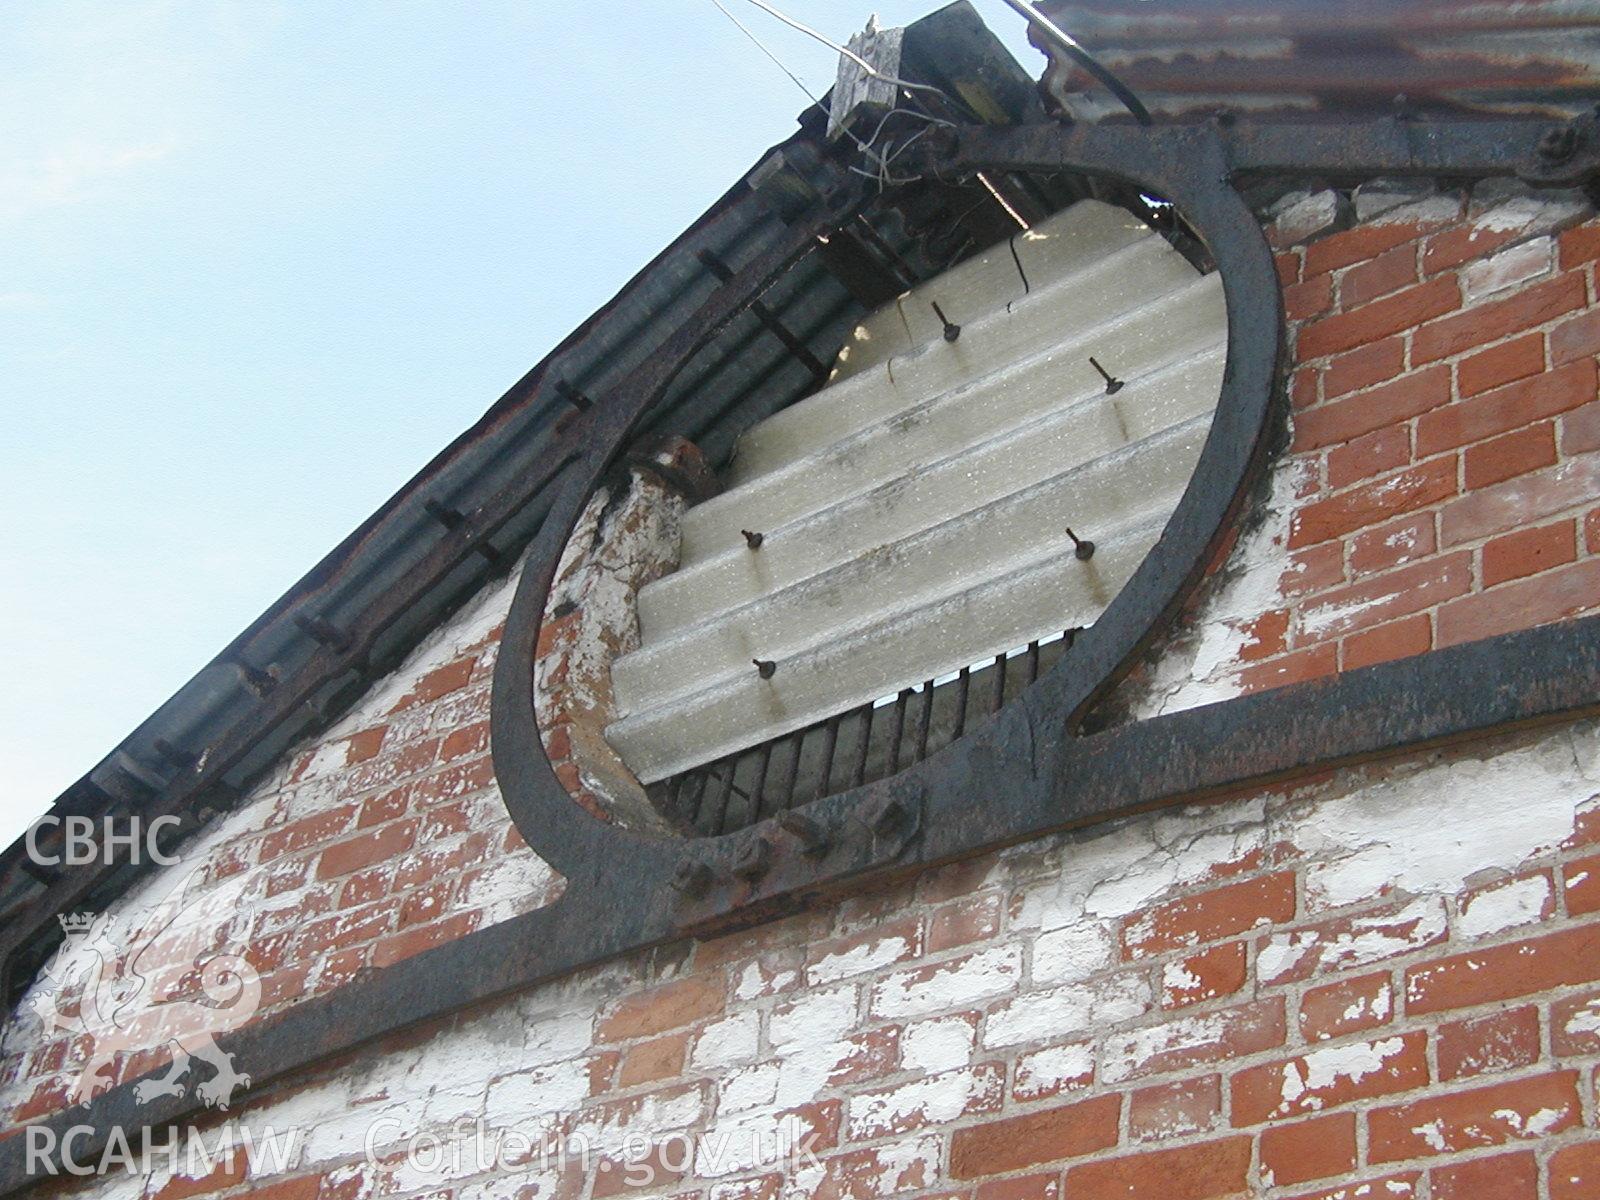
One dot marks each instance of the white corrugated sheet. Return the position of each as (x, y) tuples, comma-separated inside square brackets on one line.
[(914, 511)]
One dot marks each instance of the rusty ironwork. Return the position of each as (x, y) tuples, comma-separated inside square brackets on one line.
[(1027, 771)]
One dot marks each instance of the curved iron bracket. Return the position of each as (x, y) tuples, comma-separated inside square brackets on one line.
[(701, 881)]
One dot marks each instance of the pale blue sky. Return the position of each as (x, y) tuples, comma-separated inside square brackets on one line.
[(260, 261)]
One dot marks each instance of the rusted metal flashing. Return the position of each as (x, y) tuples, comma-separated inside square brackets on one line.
[(1330, 56)]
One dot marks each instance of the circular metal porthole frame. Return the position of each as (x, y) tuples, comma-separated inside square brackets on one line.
[(1011, 773)]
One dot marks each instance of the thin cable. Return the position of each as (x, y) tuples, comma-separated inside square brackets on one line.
[(1080, 56), (847, 52), (761, 46)]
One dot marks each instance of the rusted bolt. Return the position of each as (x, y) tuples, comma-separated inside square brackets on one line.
[(753, 539), (951, 330), (693, 878), (755, 859), (1081, 549), (765, 667), (810, 833), (1113, 385), (1559, 143)]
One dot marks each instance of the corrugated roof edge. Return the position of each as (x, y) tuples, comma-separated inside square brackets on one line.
[(1334, 56)]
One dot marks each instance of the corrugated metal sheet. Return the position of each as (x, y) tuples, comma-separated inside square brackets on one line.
[(1188, 57), (914, 514)]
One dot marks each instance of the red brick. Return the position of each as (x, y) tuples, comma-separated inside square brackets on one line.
[(670, 1006), (1390, 271), (1312, 570), (1363, 367), (1265, 635), (1298, 667), (1219, 971), (1505, 408), (1377, 320), (1372, 454), (1402, 541), (1023, 1187), (1520, 502), (871, 948), (1575, 1172), (304, 1188), (1488, 1116), (1041, 1074), (1369, 503), (1582, 884), (1580, 428), (1308, 1150), (1540, 600), (1337, 944), (308, 831), (1453, 247), (1510, 455), (1516, 359), (439, 682), (1503, 972), (1383, 598), (1348, 1006), (470, 739), (1490, 322), (366, 849), (1503, 1177), (1575, 1025), (662, 1165), (1172, 1110), (1387, 643), (1000, 1147), (1484, 1045), (1303, 389), (1308, 299), (1529, 551), (965, 921), (385, 807), (1339, 421), (908, 1106), (346, 928), (423, 937), (1211, 1169), (1219, 913), (229, 1172), (1363, 242), (1390, 1187), (1575, 338), (365, 745), (1579, 245), (1300, 1085), (1210, 1037), (1288, 265)]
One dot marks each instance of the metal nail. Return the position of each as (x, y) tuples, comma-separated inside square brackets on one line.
[(1084, 550), (951, 330), (1113, 384), (765, 667), (753, 539)]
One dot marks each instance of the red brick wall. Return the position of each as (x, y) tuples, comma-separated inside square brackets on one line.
[(1385, 984)]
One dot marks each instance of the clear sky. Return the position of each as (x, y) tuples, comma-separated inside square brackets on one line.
[(260, 260)]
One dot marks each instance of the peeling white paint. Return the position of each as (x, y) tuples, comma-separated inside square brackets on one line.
[(941, 1044), (1520, 902), (1427, 830), (1321, 1069)]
